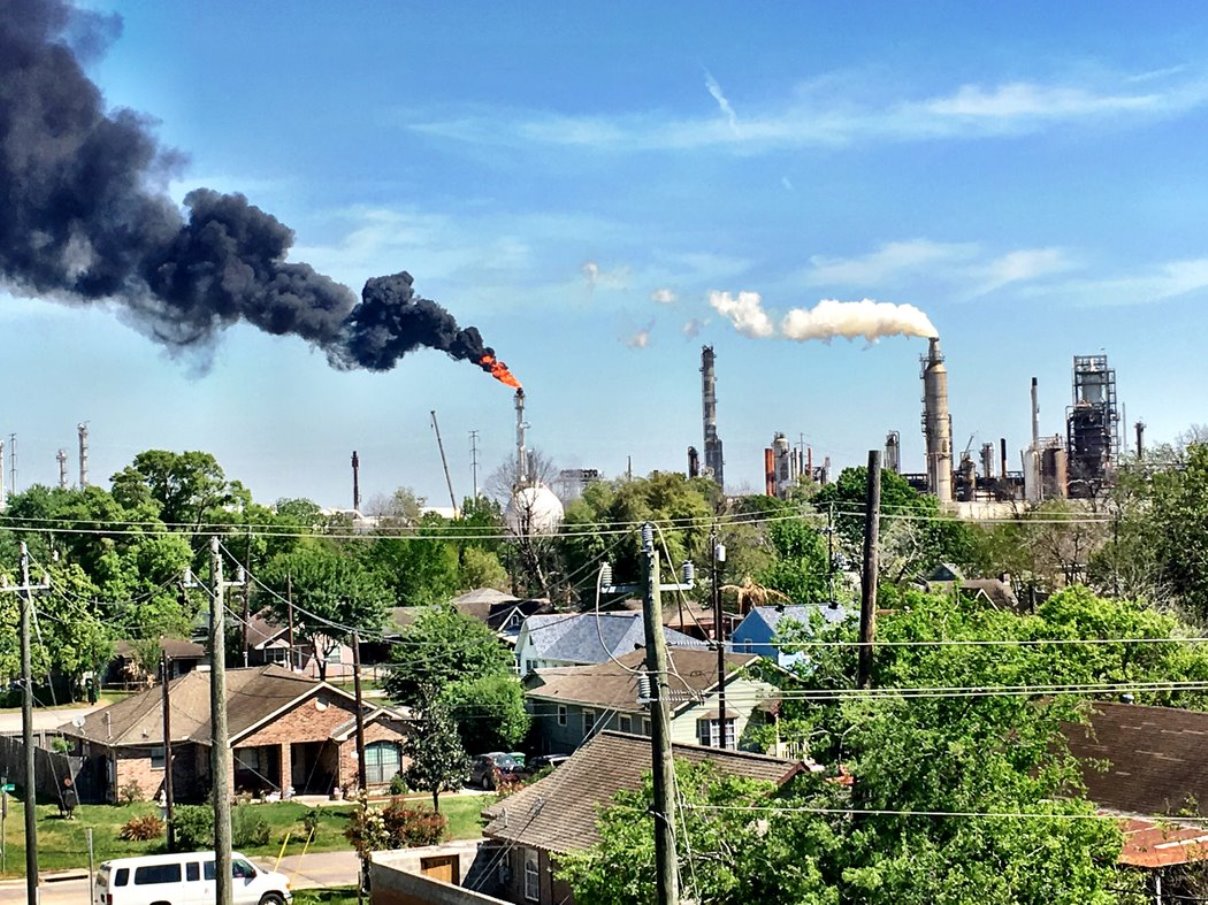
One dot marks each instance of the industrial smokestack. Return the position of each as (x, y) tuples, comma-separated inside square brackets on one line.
[(937, 423), (356, 482), (893, 452), (714, 460), (61, 457), (85, 221), (1140, 428), (522, 467), (693, 462), (1035, 415), (1002, 450), (3, 492), (82, 429)]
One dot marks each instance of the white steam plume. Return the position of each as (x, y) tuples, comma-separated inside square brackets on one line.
[(867, 318), (745, 312)]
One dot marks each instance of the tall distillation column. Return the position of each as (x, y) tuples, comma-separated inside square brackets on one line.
[(937, 423)]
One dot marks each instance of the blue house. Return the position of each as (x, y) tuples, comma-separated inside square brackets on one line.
[(759, 632)]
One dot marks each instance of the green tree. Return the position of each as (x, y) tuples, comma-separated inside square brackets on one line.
[(190, 487), (438, 762), (440, 647), (800, 567), (489, 712), (332, 593)]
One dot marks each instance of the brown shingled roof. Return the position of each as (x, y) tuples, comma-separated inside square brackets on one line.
[(614, 686), (253, 696), (1157, 757), (559, 813)]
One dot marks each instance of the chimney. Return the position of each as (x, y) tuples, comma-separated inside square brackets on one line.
[(937, 423), (714, 462), (82, 428), (769, 472), (693, 462), (1003, 452), (1035, 415), (61, 457), (356, 482), (1140, 428)]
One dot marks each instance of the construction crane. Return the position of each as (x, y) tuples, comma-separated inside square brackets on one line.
[(445, 462)]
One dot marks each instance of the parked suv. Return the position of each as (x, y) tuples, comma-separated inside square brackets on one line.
[(185, 879), (498, 765)]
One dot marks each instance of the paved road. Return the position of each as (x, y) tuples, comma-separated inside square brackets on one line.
[(313, 870), (44, 718)]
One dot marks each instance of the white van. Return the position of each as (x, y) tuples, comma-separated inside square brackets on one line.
[(185, 879)]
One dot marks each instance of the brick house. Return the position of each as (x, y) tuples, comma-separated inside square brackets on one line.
[(288, 733), (559, 814)]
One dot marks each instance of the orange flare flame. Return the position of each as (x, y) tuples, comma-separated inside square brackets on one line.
[(498, 370)]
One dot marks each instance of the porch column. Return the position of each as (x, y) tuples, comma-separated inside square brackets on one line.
[(287, 768)]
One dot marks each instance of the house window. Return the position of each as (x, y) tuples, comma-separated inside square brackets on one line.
[(157, 757), (646, 728), (626, 724), (709, 732), (335, 655), (532, 875), (589, 722), (561, 714), (382, 762)]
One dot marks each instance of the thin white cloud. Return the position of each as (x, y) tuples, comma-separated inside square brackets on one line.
[(787, 183), (692, 328), (663, 296), (641, 338), (718, 95), (1161, 282), (745, 312), (890, 262), (829, 112), (965, 269), (598, 277)]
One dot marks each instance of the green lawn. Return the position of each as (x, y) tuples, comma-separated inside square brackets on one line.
[(62, 844), (340, 895)]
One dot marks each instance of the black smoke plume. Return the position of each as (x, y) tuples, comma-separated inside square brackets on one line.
[(84, 217)]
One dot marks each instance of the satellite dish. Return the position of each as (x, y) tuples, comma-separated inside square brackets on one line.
[(78, 722)]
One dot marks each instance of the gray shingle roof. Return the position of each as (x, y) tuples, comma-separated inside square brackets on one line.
[(614, 686), (592, 637), (773, 615), (560, 812)]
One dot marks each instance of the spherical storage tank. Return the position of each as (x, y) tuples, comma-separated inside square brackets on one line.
[(534, 510)]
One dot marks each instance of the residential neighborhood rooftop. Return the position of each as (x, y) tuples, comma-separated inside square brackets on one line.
[(614, 686), (559, 813), (592, 637)]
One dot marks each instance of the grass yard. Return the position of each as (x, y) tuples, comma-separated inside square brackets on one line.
[(63, 844)]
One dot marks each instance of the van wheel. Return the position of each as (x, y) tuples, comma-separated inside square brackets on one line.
[(272, 898), (486, 783)]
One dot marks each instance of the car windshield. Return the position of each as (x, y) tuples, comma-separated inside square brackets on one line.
[(505, 760)]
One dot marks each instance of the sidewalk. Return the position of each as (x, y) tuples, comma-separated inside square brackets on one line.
[(45, 718)]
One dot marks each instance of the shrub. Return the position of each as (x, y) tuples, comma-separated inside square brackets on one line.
[(193, 825), (413, 827), (131, 793), (367, 830), (248, 827), (398, 784), (142, 829)]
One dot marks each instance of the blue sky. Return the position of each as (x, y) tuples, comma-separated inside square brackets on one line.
[(577, 180)]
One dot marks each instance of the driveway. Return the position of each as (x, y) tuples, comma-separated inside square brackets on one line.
[(45, 718)]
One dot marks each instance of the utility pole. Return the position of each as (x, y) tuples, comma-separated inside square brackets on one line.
[(220, 747), (82, 429), (868, 585), (289, 612), (362, 780), (663, 763), (61, 457), (719, 634), (474, 460), (165, 675), (29, 778)]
